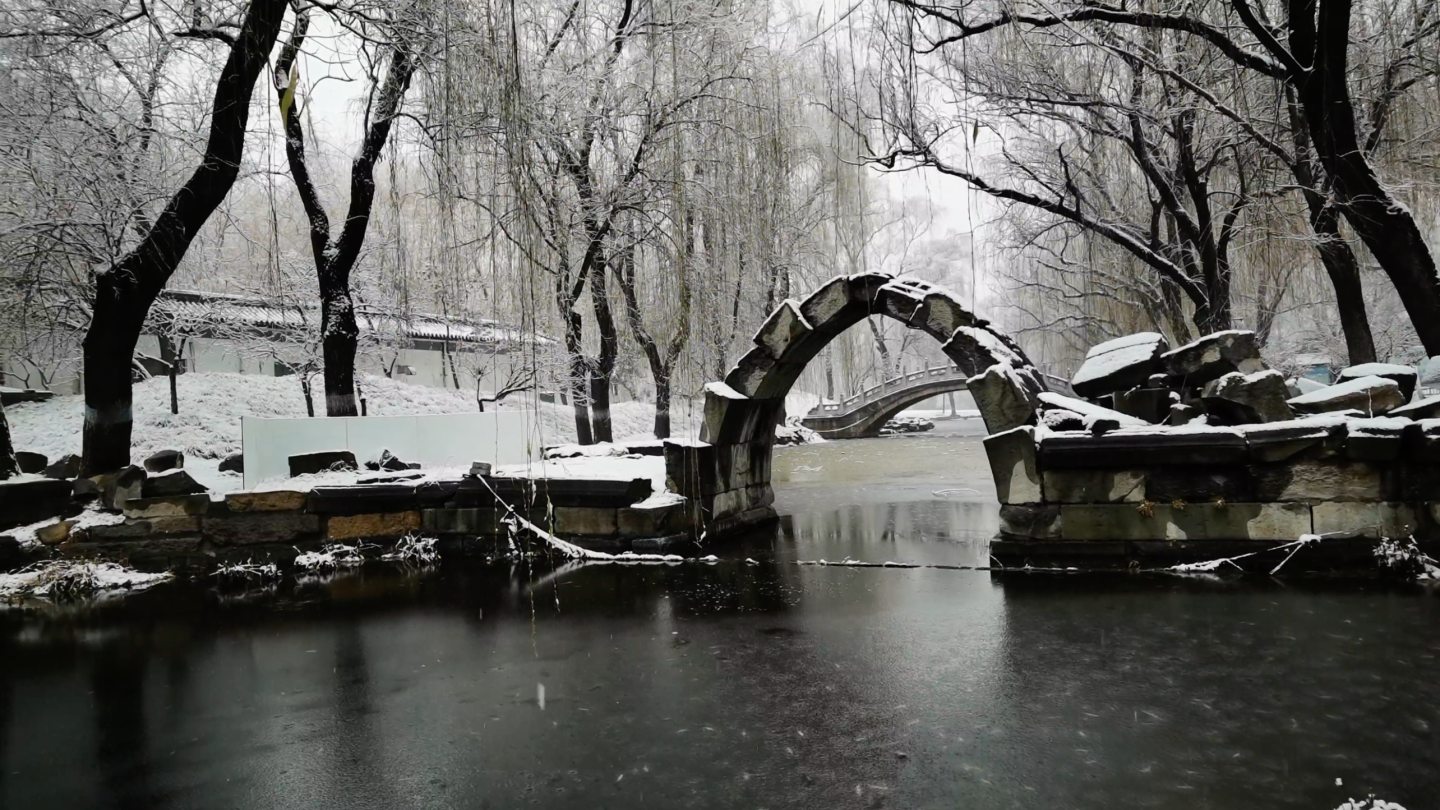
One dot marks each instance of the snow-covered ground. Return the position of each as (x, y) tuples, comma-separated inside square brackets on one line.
[(208, 426)]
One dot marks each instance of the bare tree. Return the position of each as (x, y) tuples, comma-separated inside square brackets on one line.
[(1308, 51), (125, 291), (335, 254)]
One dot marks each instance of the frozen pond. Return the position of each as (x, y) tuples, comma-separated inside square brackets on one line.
[(737, 684)]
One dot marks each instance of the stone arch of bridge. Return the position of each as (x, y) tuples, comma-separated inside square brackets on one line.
[(727, 475)]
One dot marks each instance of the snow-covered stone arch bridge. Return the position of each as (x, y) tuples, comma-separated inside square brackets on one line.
[(726, 475)]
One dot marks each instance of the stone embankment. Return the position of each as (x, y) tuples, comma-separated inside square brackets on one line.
[(166, 520), (1202, 452)]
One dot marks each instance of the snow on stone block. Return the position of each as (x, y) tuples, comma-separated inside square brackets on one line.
[(1090, 413), (941, 314), (1214, 356), (1371, 396), (827, 304), (784, 326), (1377, 439), (723, 391), (902, 298), (1249, 398), (1404, 376), (972, 347), (1427, 408), (1119, 364), (1002, 398)]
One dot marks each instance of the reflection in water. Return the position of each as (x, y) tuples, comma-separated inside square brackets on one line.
[(733, 684), (938, 532)]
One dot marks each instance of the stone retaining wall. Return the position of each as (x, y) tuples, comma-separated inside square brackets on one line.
[(1177, 495), (194, 532)]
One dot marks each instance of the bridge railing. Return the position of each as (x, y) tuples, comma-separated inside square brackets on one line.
[(874, 392)]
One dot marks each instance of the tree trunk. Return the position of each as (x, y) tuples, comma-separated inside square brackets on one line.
[(339, 343), (171, 357), (609, 353), (1335, 253), (1383, 223), (1344, 271), (662, 403), (125, 292), (309, 398), (8, 466), (579, 374)]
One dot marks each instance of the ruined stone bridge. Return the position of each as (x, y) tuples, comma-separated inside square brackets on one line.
[(865, 413), (725, 477)]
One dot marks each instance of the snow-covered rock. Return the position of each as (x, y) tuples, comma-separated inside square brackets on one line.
[(1404, 376), (1427, 408), (1214, 356), (1371, 396), (1258, 397), (1003, 398), (1091, 415), (1119, 364)]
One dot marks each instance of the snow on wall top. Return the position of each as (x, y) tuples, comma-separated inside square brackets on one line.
[(244, 313)]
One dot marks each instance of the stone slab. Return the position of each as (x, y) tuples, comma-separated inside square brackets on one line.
[(1237, 521), (1014, 467), (360, 527), (361, 500), (29, 501), (598, 521), (1314, 481), (279, 500), (145, 527), (652, 521), (250, 528), (1199, 485), (1134, 449), (1194, 522), (1030, 521), (1370, 520), (178, 505), (1094, 486)]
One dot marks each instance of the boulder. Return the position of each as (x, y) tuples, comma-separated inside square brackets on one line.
[(84, 489), (120, 487), (389, 461), (1262, 396), (1371, 396), (67, 466), (33, 463), (323, 461), (235, 462), (171, 483), (1404, 376), (1120, 364), (165, 460), (1002, 398), (1213, 356)]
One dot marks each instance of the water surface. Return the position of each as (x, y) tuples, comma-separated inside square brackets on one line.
[(737, 684)]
